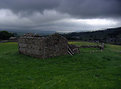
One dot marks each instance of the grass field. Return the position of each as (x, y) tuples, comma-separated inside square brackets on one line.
[(82, 71)]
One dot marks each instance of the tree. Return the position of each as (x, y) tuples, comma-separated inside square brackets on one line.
[(5, 35)]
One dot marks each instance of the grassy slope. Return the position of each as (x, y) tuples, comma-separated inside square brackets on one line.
[(82, 71)]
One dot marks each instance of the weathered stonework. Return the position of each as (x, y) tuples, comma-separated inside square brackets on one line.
[(43, 47)]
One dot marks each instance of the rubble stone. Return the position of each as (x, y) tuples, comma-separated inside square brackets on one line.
[(43, 47)]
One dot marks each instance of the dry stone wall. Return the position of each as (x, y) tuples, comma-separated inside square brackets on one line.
[(43, 47)]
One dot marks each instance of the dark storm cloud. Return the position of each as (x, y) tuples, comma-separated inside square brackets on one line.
[(60, 15), (80, 8), (92, 8), (18, 5)]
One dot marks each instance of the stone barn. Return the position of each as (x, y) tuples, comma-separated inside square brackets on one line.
[(44, 47)]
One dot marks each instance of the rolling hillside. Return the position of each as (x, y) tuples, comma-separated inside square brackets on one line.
[(112, 35)]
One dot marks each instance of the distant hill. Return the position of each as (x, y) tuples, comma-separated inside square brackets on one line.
[(112, 35), (21, 32)]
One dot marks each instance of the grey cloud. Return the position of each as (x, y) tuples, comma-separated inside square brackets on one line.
[(50, 20), (28, 5), (47, 18), (79, 8), (59, 15), (92, 8)]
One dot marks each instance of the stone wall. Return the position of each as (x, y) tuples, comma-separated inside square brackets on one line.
[(100, 46), (43, 47)]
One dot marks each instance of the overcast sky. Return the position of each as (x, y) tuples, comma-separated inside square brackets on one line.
[(59, 15)]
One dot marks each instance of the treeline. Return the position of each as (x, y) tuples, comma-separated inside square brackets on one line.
[(5, 35), (112, 35)]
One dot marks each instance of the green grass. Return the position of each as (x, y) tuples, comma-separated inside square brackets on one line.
[(82, 71), (82, 43)]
